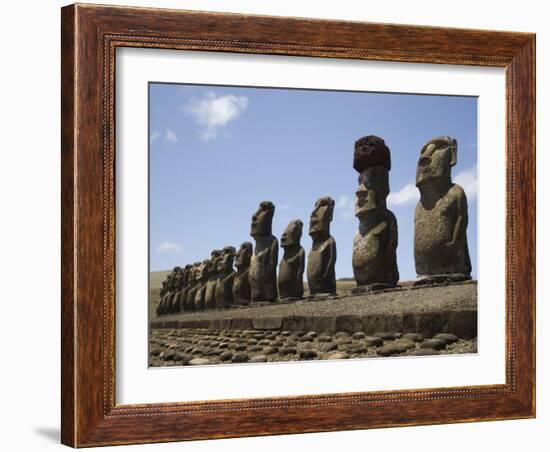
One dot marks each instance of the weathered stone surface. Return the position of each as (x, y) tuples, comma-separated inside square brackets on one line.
[(328, 346), (425, 352), (338, 355), (387, 335), (371, 341), (374, 247), (240, 358), (308, 354), (415, 337), (287, 350), (357, 348), (371, 151), (436, 344), (226, 276), (263, 265), (210, 294), (241, 283), (226, 356), (358, 335), (267, 323), (321, 274), (199, 362), (441, 216), (291, 268), (448, 338), (396, 347), (259, 359)]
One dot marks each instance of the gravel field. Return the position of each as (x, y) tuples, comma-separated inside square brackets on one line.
[(181, 347)]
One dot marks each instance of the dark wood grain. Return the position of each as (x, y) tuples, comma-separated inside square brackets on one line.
[(90, 36)]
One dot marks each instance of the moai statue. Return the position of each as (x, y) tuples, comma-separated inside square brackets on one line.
[(263, 265), (175, 301), (241, 284), (202, 277), (291, 268), (168, 292), (441, 217), (321, 276), (374, 247), (185, 288), (224, 286), (193, 286), (210, 295)]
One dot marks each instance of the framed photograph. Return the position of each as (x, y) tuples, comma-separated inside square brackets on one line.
[(282, 225)]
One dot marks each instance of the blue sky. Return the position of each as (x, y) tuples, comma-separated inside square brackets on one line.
[(216, 152)]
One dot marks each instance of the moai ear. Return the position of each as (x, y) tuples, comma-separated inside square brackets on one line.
[(453, 147)]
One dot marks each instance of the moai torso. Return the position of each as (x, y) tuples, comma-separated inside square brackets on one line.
[(321, 260), (193, 286), (224, 285), (374, 247), (263, 265), (241, 283), (184, 289), (291, 268), (441, 215), (201, 288), (210, 295)]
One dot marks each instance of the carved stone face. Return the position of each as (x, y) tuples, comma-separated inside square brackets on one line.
[(319, 223), (372, 191), (243, 256), (292, 234), (203, 269), (371, 151), (225, 262), (194, 272), (261, 220), (187, 274), (436, 159), (215, 257)]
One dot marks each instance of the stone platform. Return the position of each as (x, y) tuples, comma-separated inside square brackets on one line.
[(426, 310)]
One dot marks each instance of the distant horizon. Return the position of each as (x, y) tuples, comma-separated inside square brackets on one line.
[(216, 152)]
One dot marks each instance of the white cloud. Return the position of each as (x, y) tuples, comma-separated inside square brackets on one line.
[(408, 194), (154, 136), (169, 248), (214, 113), (467, 179), (345, 206), (284, 207), (170, 137)]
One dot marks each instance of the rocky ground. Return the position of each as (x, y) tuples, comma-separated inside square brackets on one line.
[(179, 347)]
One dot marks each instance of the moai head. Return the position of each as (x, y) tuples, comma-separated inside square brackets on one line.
[(243, 256), (187, 274), (371, 151), (225, 263), (292, 235), (194, 272), (203, 270), (319, 223), (436, 159), (215, 257), (372, 191), (262, 219)]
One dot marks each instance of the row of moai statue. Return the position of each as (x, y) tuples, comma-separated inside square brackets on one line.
[(440, 244), (214, 284)]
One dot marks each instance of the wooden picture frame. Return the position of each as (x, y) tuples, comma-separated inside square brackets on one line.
[(90, 36)]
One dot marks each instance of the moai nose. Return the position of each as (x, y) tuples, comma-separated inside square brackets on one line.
[(424, 161)]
